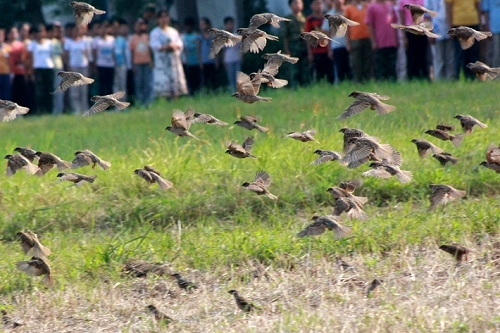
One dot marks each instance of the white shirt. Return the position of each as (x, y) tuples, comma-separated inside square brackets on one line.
[(79, 51), (42, 53), (105, 50)]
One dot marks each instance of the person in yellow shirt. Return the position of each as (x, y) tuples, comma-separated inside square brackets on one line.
[(5, 88)]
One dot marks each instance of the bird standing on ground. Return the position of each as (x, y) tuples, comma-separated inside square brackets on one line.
[(9, 110), (466, 36), (417, 12), (442, 194), (483, 71), (76, 178), (159, 316), (242, 151), (31, 244), (184, 284), (250, 123), (365, 100), (373, 285), (468, 122), (260, 184), (84, 12), (181, 122), (338, 24), (323, 223), (151, 175), (459, 252), (36, 267), (241, 302), (17, 162), (71, 79)]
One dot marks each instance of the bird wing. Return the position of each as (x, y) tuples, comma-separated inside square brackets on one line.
[(245, 86), (116, 95), (247, 144), (378, 173), (263, 178), (70, 177), (81, 160), (466, 43), (30, 268), (256, 21), (313, 229), (356, 107), (179, 120), (99, 105)]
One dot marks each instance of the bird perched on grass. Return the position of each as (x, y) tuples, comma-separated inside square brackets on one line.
[(29, 153), (424, 147), (71, 79), (468, 122), (8, 321), (442, 194), (421, 29), (365, 100), (181, 122), (303, 136), (316, 38), (417, 12), (141, 268), (325, 156), (37, 267), (222, 38), (159, 316), (101, 103), (338, 24), (206, 118), (350, 207), (483, 71), (445, 157), (260, 184), (373, 285), (254, 40), (323, 223), (386, 170), (76, 178), (184, 284), (151, 175), (242, 303), (84, 12), (242, 151), (344, 266), (17, 162), (259, 19), (46, 161), (31, 244), (466, 36), (250, 123), (247, 90), (86, 157), (9, 110), (459, 252), (456, 139)]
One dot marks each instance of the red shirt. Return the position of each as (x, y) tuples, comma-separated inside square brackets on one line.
[(315, 23), (16, 58)]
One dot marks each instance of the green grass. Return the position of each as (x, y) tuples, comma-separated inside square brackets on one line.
[(207, 222)]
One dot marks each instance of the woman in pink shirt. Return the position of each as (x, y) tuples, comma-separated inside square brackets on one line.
[(21, 92)]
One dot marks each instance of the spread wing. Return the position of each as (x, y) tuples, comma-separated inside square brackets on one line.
[(356, 107), (314, 229), (245, 85), (263, 178), (179, 120), (99, 106)]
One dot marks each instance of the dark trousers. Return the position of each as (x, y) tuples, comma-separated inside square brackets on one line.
[(5, 87), (193, 78), (361, 60), (341, 64), (44, 86), (463, 57), (323, 67), (385, 63), (299, 73), (417, 66), (106, 77), (22, 91), (209, 76)]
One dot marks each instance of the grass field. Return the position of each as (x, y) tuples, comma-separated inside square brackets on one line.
[(223, 237)]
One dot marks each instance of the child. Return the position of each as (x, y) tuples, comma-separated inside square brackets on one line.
[(142, 64), (190, 55)]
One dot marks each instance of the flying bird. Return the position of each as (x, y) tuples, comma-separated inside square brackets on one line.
[(316, 38), (37, 267), (424, 147), (338, 24), (76, 178), (207, 119), (459, 252), (323, 223), (483, 71), (29, 153), (326, 156), (181, 122), (350, 207), (184, 284), (468, 122), (445, 157), (466, 36), (241, 302), (17, 162), (493, 166), (222, 38), (84, 12), (278, 58), (350, 133), (9, 110), (259, 19), (417, 12), (71, 79), (421, 29), (303, 136), (242, 151), (248, 90), (151, 175), (101, 103), (260, 184), (345, 192), (86, 157), (159, 316), (445, 127), (387, 170), (250, 123), (31, 244), (254, 41), (442, 194), (363, 148), (492, 158), (46, 161), (456, 139), (365, 100)]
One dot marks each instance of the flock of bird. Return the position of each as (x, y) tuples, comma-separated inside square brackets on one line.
[(359, 147)]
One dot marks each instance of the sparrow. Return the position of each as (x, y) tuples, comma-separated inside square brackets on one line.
[(493, 154), (483, 71), (322, 223), (9, 110), (363, 147), (467, 35), (278, 58), (76, 178), (17, 162), (207, 119), (351, 185), (254, 40), (339, 192), (459, 252), (303, 136), (260, 184), (350, 207), (442, 194), (86, 157), (101, 103), (365, 100), (493, 166), (184, 284), (159, 316), (456, 139), (29, 153), (250, 123), (181, 122), (445, 157), (8, 321), (30, 243), (242, 303), (316, 38), (247, 90), (420, 29), (71, 79), (338, 24), (265, 76), (445, 127), (259, 19), (373, 285), (46, 161), (151, 175), (220, 39), (387, 170), (84, 12), (325, 156), (417, 12), (424, 147), (344, 266), (142, 268), (354, 133), (468, 123), (36, 267), (242, 151)]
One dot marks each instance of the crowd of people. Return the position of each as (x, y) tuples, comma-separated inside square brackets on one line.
[(161, 58)]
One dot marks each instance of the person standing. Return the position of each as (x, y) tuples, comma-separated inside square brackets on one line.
[(379, 16), (17, 59), (121, 53), (491, 10), (5, 50), (298, 74), (54, 33), (318, 56), (41, 69), (208, 65), (142, 64), (191, 55), (232, 56), (103, 48), (169, 79)]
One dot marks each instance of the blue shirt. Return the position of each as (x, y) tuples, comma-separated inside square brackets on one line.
[(190, 52), (205, 45), (120, 51), (493, 8)]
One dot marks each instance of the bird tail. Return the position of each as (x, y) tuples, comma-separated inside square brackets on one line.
[(357, 214), (87, 80), (342, 231), (63, 165), (48, 280), (264, 99), (121, 105), (404, 176), (271, 196), (432, 13), (482, 125), (480, 35), (360, 201), (454, 160), (162, 183), (279, 83), (493, 73), (292, 60), (457, 139), (104, 165), (262, 129), (99, 12), (91, 179), (275, 38), (383, 108)]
